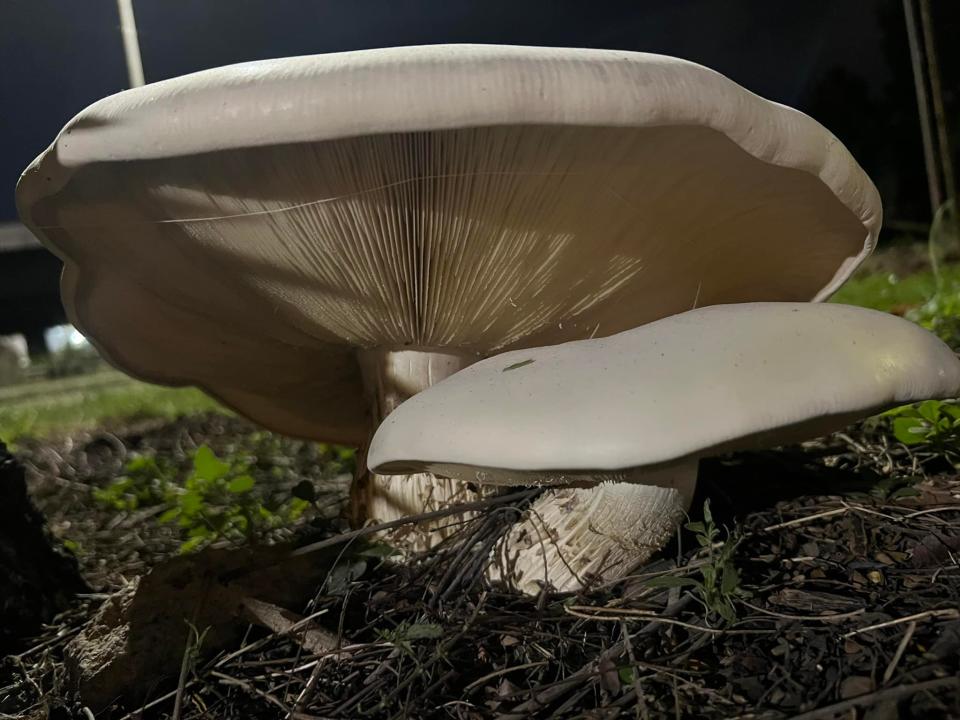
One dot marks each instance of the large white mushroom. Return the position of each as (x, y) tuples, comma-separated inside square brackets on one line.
[(314, 239), (622, 421)]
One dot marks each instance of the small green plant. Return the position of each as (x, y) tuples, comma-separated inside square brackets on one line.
[(933, 423), (406, 633), (941, 312), (218, 499), (146, 481), (941, 316), (72, 546), (719, 583), (217, 502), (338, 459)]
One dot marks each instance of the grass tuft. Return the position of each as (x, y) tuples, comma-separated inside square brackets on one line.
[(41, 408)]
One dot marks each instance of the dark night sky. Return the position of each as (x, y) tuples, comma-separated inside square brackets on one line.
[(838, 60)]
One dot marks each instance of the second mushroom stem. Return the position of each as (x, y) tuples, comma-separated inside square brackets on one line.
[(573, 537), (390, 376), (570, 537)]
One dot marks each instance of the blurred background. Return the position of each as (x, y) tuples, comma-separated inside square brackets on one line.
[(856, 66)]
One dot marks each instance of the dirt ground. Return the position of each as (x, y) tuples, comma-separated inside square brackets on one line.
[(845, 603)]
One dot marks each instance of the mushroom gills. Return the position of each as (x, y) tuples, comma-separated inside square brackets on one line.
[(574, 537), (391, 376)]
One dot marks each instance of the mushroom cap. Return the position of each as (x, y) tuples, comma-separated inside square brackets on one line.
[(704, 382), (246, 229)]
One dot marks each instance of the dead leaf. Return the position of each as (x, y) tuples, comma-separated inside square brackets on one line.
[(855, 685), (310, 637), (609, 677)]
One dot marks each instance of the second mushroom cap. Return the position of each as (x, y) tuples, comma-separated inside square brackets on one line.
[(692, 385)]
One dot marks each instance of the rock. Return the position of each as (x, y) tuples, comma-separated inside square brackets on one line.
[(38, 578)]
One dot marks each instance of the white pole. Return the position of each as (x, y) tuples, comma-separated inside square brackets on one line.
[(926, 133), (131, 45)]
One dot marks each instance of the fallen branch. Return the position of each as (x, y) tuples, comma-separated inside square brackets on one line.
[(621, 614), (946, 613), (805, 618), (907, 636)]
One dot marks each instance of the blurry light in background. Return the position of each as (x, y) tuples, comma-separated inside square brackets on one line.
[(64, 336)]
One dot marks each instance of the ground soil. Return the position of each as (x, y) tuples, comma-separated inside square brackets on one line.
[(847, 602)]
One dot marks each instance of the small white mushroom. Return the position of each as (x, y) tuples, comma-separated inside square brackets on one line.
[(314, 239), (641, 407)]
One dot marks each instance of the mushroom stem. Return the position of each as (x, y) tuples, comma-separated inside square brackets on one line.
[(572, 537), (390, 376)]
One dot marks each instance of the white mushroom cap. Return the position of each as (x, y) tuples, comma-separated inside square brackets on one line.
[(695, 384), (246, 229)]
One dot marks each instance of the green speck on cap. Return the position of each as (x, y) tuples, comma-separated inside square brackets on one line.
[(518, 364)]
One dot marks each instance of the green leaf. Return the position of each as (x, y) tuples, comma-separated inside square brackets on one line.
[(696, 527), (902, 411), (207, 465), (139, 463), (191, 503), (730, 579), (516, 365), (422, 631), (626, 675), (726, 611), (707, 515), (241, 484), (295, 508), (169, 516), (192, 545), (709, 576), (929, 410), (951, 410), (202, 531), (910, 431)]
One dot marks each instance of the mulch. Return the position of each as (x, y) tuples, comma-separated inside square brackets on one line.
[(848, 604)]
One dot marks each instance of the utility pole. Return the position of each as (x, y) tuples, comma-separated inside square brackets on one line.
[(939, 114), (131, 44), (929, 154)]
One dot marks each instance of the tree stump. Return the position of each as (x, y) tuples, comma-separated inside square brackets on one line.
[(38, 577)]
